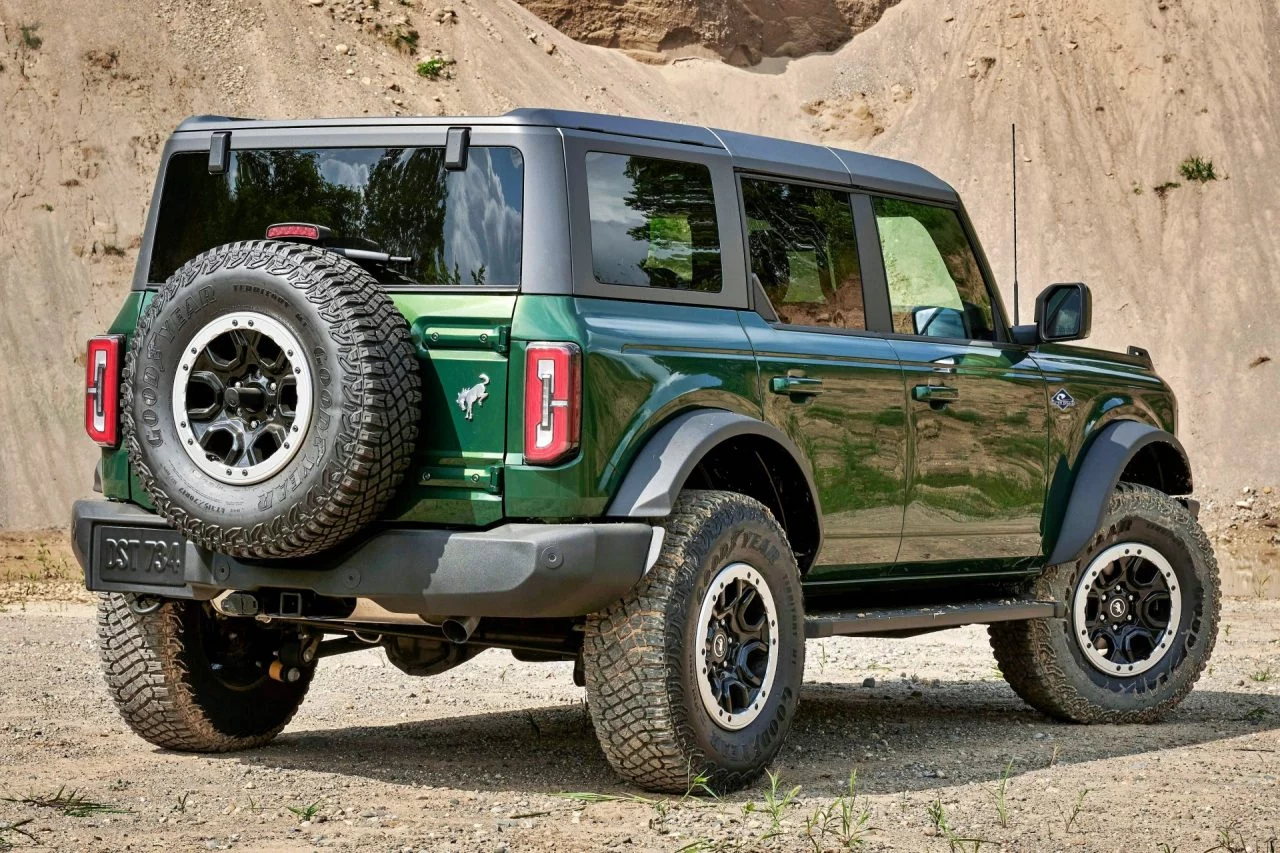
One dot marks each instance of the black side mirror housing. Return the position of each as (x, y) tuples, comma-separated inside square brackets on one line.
[(1064, 312)]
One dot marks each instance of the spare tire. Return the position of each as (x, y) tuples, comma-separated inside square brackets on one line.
[(270, 399)]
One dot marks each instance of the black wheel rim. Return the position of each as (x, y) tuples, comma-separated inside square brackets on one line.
[(1126, 609), (736, 646), (242, 399)]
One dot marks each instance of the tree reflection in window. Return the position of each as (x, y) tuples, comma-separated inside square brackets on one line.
[(456, 227)]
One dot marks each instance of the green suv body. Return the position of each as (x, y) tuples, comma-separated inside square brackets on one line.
[(653, 398)]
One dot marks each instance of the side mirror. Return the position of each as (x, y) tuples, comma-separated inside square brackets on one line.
[(1064, 312)]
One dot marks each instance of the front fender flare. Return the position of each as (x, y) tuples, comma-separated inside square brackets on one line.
[(1099, 473), (661, 468)]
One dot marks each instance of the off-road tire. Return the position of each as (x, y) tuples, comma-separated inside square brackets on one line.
[(640, 661), (1042, 661), (159, 676), (365, 410)]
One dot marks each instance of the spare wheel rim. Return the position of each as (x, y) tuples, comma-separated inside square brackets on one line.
[(242, 398)]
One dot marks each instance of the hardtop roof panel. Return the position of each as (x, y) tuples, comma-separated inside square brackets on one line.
[(750, 152)]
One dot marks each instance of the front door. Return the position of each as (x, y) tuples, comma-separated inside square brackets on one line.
[(977, 412), (834, 388)]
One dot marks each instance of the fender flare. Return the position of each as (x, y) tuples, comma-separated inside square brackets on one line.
[(661, 468), (1098, 474)]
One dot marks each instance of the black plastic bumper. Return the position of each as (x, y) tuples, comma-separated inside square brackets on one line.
[(514, 570)]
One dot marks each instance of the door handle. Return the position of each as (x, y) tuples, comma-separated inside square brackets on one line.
[(934, 393), (795, 386)]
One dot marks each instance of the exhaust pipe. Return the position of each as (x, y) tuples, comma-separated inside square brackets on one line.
[(458, 629)]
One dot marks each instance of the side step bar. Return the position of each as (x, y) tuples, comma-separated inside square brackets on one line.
[(920, 620)]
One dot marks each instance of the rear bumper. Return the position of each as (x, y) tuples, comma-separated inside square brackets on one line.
[(513, 570)]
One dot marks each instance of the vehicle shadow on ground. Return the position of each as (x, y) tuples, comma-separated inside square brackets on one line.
[(899, 737)]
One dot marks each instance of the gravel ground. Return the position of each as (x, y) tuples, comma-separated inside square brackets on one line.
[(479, 759)]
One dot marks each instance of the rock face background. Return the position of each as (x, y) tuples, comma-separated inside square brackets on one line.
[(1109, 99), (741, 32)]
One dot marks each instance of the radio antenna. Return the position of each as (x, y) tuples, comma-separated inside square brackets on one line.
[(1013, 161)]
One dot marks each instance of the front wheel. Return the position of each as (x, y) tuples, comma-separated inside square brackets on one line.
[(1142, 616), (694, 678), (187, 679)]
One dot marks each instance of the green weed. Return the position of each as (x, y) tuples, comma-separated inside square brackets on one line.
[(305, 813), (1070, 818), (1002, 807), (71, 803), (433, 68), (845, 821), (30, 36), (1197, 169)]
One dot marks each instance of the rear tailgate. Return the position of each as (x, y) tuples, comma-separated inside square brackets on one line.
[(463, 342)]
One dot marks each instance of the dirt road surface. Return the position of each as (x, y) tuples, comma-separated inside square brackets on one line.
[(479, 759)]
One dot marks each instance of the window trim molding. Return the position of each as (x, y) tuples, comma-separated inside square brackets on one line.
[(733, 290), (999, 321), (869, 294)]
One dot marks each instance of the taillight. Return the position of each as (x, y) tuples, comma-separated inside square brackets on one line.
[(552, 402), (102, 390)]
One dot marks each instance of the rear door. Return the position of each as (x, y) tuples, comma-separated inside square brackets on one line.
[(833, 387), (976, 405)]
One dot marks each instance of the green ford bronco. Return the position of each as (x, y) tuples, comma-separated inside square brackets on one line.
[(660, 400)]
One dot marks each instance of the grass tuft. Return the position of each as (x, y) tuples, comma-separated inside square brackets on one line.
[(1198, 170), (403, 40), (305, 813), (71, 803), (434, 68), (30, 36)]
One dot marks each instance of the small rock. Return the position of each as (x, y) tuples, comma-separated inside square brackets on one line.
[(940, 774), (549, 48), (249, 786), (868, 682), (316, 2), (341, 49)]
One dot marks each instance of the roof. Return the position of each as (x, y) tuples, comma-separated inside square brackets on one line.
[(750, 152)]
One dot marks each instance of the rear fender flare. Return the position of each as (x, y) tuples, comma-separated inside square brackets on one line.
[(662, 467), (1099, 472)]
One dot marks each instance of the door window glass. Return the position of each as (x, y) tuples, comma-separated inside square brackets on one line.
[(804, 254), (653, 223), (935, 286)]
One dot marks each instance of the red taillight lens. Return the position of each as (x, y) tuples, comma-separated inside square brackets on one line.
[(102, 390), (552, 402)]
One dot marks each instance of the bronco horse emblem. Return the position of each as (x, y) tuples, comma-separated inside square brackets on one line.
[(473, 396)]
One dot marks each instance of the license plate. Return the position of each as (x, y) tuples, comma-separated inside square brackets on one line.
[(139, 555)]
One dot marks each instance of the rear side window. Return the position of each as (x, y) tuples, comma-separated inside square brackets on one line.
[(936, 289), (653, 223), (439, 226), (804, 253)]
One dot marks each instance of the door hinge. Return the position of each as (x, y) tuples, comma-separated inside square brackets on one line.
[(427, 337), (488, 479)]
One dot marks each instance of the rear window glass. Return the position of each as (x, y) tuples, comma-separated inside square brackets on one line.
[(436, 226), (653, 223)]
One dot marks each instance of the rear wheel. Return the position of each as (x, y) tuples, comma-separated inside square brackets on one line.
[(1142, 616), (185, 678), (694, 678)]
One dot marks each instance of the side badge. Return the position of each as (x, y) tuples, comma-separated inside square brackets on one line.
[(1062, 400), (475, 395)]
